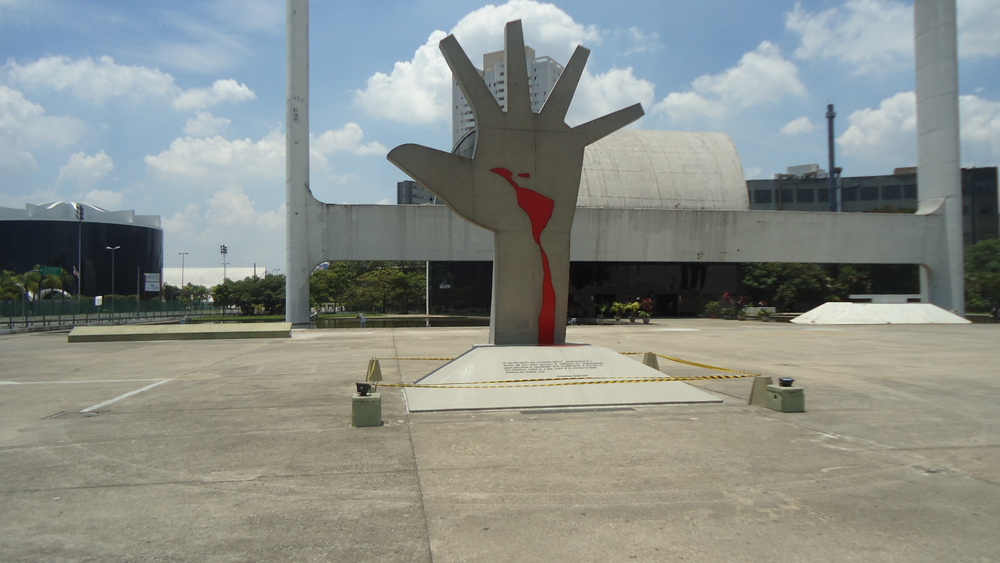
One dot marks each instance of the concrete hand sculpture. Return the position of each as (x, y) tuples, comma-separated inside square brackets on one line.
[(521, 183)]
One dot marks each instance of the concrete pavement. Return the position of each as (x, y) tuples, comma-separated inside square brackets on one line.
[(242, 450)]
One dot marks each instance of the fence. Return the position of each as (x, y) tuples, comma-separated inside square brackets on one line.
[(55, 313)]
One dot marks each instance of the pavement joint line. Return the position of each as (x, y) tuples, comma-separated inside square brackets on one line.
[(125, 396)]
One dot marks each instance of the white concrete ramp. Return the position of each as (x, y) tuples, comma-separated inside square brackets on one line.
[(518, 377), (878, 313)]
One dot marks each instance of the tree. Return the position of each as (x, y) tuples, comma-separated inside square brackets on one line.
[(982, 277), (788, 287), (32, 282), (11, 286), (251, 293), (370, 286)]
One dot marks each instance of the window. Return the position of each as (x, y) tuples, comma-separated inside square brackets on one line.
[(787, 196), (910, 191), (892, 192), (805, 195), (763, 196), (869, 193), (849, 194), (823, 194)]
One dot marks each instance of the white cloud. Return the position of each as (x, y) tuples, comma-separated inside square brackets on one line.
[(887, 133), (872, 35), (105, 198), (877, 35), (95, 80), (25, 127), (980, 120), (418, 91), (183, 225), (222, 91), (232, 207), (17, 201), (102, 78), (978, 28), (798, 126), (762, 76), (205, 125), (85, 171), (252, 15), (608, 92), (229, 216), (215, 161), (349, 139), (642, 42)]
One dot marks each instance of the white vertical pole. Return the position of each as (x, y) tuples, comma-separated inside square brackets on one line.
[(297, 268), (939, 168)]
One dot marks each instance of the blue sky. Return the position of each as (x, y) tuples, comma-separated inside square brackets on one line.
[(177, 108)]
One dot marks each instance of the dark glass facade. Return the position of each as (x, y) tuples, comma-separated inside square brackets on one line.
[(30, 243), (678, 289)]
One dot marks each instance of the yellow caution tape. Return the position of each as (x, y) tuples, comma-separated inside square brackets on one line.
[(699, 365), (500, 385), (429, 359)]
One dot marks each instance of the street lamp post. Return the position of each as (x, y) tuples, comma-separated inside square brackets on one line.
[(112, 249), (183, 254), (224, 250)]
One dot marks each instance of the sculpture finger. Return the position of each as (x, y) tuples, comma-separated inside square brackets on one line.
[(603, 126), (555, 108), (447, 175), (484, 105), (518, 100)]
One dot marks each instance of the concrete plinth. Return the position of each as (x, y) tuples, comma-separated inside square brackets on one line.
[(366, 411), (138, 333), (786, 399), (509, 377)]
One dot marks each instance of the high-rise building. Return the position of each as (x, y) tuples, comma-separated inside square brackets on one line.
[(543, 72), (409, 192)]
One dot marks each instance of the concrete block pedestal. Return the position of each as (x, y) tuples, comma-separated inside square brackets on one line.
[(786, 399), (366, 411)]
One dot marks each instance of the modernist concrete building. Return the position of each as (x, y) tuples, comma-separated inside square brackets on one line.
[(77, 236), (804, 188), (637, 204)]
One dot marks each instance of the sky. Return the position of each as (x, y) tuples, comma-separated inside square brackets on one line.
[(177, 108)]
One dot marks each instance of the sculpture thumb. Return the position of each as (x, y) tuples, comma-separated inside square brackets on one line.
[(447, 175)]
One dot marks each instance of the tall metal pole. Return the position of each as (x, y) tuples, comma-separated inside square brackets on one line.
[(79, 257), (113, 249), (831, 181), (297, 193), (183, 254), (224, 250)]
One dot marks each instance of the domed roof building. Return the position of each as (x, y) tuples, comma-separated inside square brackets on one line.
[(78, 238)]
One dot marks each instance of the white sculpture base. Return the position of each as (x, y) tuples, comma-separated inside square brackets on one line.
[(599, 367)]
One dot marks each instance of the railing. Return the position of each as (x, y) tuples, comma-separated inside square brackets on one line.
[(18, 316)]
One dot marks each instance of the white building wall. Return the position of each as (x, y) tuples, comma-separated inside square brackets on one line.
[(421, 232)]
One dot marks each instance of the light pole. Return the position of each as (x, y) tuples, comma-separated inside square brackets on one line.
[(112, 249), (224, 250), (79, 257), (183, 254)]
